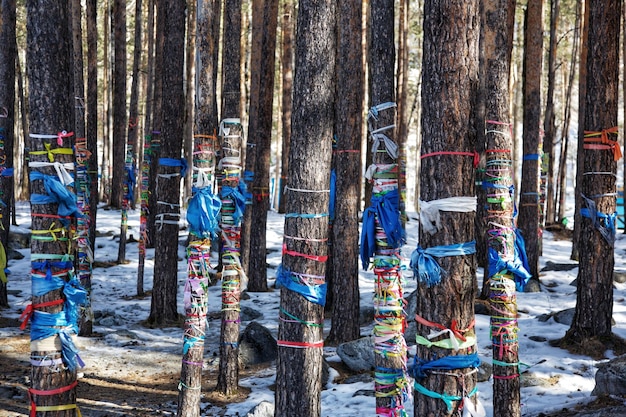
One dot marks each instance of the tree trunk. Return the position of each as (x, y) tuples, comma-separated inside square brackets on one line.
[(529, 197), (51, 99), (567, 117), (287, 26), (549, 126), (190, 68), (163, 310), (84, 259), (347, 160), (402, 87), (232, 141), (390, 381), (594, 301), (130, 176), (7, 129), (256, 45), (119, 109), (450, 74), (299, 367), (92, 117), (257, 270), (498, 26), (146, 160)]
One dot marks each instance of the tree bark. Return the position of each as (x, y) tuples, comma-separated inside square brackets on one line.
[(450, 74), (529, 197), (146, 160), (299, 367), (92, 115), (347, 160), (287, 26), (119, 106), (51, 103), (163, 310), (232, 272), (549, 124), (257, 270), (8, 55), (498, 26), (594, 301)]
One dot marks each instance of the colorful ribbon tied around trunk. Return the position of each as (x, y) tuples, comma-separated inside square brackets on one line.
[(57, 194), (239, 195), (515, 267), (425, 266), (313, 293), (203, 213)]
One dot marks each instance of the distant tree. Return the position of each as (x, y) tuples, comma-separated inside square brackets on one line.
[(55, 301), (528, 219), (591, 327), (163, 308), (92, 114), (549, 122), (262, 139), (8, 54), (347, 162), (286, 62), (119, 104), (299, 366), (446, 300), (130, 162)]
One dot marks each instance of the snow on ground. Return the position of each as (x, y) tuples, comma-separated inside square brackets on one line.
[(125, 341)]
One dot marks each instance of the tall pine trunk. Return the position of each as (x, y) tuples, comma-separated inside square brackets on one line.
[(286, 61), (51, 103), (232, 141), (7, 130), (591, 325), (498, 25), (347, 163), (450, 74), (529, 197), (163, 309), (300, 338)]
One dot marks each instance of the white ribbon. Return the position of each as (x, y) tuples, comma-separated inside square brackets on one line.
[(430, 216), (60, 168)]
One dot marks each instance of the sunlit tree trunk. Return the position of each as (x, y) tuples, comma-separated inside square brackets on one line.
[(163, 309), (529, 198), (119, 107), (92, 115), (347, 162), (601, 151), (55, 300), (287, 26), (450, 76), (300, 338)]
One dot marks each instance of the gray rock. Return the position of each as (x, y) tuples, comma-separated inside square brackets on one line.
[(611, 377), (410, 332), (13, 254), (365, 393), (554, 266), (565, 316), (366, 315), (19, 238), (532, 286), (411, 306), (530, 379), (485, 370), (358, 355), (619, 277), (256, 345), (249, 314), (366, 378), (539, 339), (263, 409)]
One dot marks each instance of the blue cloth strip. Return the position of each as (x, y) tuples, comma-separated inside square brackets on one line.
[(172, 162), (425, 266), (604, 223), (203, 213), (313, 293), (7, 172), (239, 195), (445, 364), (531, 157), (386, 208), (57, 194)]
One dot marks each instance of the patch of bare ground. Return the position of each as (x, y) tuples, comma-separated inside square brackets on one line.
[(132, 392)]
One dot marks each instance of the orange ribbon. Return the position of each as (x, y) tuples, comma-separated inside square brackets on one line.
[(601, 140)]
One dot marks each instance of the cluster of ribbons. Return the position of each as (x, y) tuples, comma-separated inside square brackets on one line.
[(150, 145), (604, 223), (233, 195), (82, 186), (507, 265), (54, 323), (381, 238)]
